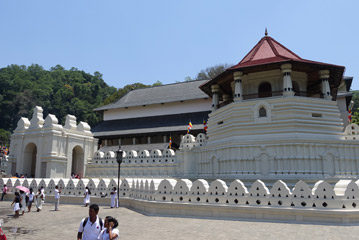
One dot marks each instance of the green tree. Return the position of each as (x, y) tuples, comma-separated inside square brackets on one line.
[(209, 73), (58, 91), (122, 91), (4, 136), (355, 109)]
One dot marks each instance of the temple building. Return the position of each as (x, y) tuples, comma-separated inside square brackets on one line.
[(273, 116), (146, 118)]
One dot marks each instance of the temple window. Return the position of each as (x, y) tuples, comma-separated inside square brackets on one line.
[(262, 112), (264, 90)]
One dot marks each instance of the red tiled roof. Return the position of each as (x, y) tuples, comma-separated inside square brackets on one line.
[(267, 50)]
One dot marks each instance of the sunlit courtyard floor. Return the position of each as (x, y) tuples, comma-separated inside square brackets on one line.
[(64, 224)]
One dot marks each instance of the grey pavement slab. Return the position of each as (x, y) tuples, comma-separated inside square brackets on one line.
[(64, 224)]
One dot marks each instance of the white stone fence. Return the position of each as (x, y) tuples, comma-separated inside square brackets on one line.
[(135, 163), (344, 195), (134, 157)]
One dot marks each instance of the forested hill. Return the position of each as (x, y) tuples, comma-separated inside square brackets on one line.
[(57, 91)]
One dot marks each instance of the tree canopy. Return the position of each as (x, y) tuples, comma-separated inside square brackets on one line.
[(122, 91), (355, 109), (210, 72), (58, 91)]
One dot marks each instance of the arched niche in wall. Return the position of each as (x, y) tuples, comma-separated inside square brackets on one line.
[(262, 112)]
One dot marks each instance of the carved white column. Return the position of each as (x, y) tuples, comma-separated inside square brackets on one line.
[(238, 92), (287, 80), (324, 77), (215, 97)]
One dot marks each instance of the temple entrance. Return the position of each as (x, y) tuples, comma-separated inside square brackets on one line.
[(29, 167), (77, 161)]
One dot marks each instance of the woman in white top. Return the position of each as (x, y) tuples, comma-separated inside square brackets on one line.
[(110, 232), (87, 196), (31, 199)]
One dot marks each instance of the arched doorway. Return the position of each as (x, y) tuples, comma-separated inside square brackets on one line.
[(77, 161), (29, 166), (264, 90)]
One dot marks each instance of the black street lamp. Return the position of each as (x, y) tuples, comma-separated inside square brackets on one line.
[(119, 161)]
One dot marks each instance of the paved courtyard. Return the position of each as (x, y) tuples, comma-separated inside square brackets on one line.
[(64, 224)]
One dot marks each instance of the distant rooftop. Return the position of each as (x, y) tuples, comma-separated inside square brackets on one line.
[(159, 94)]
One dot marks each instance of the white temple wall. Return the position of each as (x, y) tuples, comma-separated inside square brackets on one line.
[(321, 203), (286, 119), (279, 161), (151, 164), (43, 148)]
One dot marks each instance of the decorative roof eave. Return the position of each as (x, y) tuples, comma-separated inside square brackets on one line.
[(336, 71)]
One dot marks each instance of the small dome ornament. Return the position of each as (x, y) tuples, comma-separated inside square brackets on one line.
[(266, 32)]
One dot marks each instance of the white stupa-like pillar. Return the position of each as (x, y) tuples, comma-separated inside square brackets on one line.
[(238, 92), (287, 80), (324, 77), (215, 96)]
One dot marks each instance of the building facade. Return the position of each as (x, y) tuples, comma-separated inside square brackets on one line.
[(147, 118), (273, 116), (45, 149)]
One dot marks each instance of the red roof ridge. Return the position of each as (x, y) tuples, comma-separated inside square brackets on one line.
[(267, 48)]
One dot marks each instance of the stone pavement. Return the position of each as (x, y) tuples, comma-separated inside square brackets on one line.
[(64, 224)]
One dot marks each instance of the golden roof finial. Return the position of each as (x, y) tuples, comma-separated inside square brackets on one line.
[(266, 32)]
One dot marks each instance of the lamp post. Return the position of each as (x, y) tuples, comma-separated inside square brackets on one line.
[(119, 161)]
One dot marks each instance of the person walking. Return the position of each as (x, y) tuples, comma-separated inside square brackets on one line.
[(113, 197), (39, 200), (43, 194), (5, 189), (16, 203), (91, 226), (23, 202), (57, 197), (31, 196), (110, 232), (87, 196)]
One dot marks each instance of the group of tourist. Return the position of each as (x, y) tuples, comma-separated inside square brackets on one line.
[(23, 200), (93, 227)]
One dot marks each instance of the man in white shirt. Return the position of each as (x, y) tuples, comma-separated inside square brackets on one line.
[(91, 226), (57, 198)]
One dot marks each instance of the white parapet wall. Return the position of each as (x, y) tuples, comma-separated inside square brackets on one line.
[(322, 203), (144, 163)]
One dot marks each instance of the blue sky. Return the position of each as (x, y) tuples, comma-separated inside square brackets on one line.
[(149, 41)]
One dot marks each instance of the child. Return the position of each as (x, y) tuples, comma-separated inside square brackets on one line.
[(16, 204)]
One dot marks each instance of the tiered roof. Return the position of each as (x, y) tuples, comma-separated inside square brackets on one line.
[(268, 54)]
